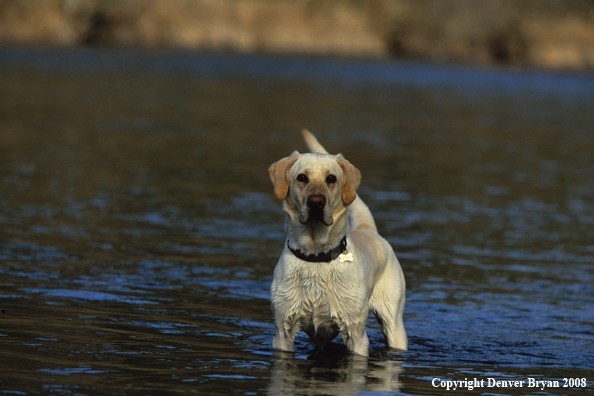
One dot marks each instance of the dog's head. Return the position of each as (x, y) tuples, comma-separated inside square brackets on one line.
[(315, 186)]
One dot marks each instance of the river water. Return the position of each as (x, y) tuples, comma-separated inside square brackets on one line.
[(139, 232)]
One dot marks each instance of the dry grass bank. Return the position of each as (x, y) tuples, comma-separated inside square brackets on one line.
[(548, 34), (543, 33)]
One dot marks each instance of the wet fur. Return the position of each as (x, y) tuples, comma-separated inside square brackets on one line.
[(327, 299)]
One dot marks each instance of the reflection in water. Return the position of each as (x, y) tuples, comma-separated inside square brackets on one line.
[(332, 374), (138, 230)]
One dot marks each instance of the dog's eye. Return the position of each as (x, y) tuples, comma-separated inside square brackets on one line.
[(302, 177), (330, 179)]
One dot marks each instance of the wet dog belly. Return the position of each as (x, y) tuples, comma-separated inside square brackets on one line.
[(325, 331)]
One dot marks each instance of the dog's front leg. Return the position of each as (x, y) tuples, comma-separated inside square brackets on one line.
[(286, 331), (356, 340), (283, 342)]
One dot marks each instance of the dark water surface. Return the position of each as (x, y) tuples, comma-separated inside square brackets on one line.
[(138, 230)]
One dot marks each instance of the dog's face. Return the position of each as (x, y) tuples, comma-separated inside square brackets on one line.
[(314, 186)]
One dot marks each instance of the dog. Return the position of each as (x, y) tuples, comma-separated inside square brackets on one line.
[(335, 268)]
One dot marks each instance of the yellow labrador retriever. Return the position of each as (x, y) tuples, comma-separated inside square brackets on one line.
[(335, 267)]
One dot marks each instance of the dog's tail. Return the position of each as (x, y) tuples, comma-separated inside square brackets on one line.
[(312, 143)]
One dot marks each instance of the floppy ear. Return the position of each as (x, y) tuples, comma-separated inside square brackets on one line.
[(279, 175), (351, 180)]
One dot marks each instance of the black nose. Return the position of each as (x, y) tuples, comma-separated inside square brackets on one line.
[(316, 202)]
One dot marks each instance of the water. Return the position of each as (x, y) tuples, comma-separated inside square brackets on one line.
[(139, 231)]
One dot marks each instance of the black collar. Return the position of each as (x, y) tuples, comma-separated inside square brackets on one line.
[(321, 257)]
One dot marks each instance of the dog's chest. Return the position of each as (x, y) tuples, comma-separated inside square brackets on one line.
[(322, 292)]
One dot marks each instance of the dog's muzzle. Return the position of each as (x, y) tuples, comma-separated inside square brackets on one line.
[(316, 205)]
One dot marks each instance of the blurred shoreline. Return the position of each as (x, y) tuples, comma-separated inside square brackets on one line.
[(546, 34)]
